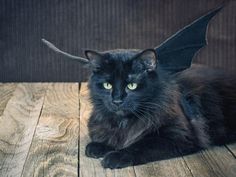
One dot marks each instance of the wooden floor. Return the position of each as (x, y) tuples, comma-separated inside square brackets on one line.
[(43, 133)]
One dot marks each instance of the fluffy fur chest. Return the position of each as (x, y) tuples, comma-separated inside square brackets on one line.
[(118, 135)]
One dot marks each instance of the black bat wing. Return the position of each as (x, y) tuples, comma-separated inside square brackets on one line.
[(177, 52)]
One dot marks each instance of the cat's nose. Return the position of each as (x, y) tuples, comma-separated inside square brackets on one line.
[(117, 102)]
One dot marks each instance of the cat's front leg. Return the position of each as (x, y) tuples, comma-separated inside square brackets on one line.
[(97, 150), (117, 159), (142, 152)]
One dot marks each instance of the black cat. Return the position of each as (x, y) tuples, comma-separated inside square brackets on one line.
[(151, 105), (143, 113)]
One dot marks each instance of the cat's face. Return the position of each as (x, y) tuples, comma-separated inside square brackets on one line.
[(122, 79)]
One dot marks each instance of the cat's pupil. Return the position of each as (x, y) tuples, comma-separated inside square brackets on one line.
[(107, 85), (132, 86)]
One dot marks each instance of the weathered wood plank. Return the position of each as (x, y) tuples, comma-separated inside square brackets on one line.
[(91, 167), (216, 161), (6, 92), (54, 149), (172, 167), (17, 126)]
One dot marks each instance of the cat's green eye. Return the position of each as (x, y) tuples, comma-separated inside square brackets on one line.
[(132, 86), (107, 85)]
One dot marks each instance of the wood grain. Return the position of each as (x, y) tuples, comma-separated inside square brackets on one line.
[(54, 149), (171, 167), (6, 92), (17, 126), (216, 161)]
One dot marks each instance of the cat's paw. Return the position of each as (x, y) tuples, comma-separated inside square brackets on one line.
[(117, 159), (96, 150)]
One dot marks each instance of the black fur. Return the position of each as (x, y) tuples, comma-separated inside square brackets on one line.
[(166, 116), (176, 109)]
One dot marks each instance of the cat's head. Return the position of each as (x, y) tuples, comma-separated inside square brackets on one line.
[(122, 80)]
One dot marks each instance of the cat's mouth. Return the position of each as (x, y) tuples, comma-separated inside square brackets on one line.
[(120, 113), (118, 110)]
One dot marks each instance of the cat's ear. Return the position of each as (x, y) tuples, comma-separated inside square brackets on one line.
[(148, 58), (95, 59)]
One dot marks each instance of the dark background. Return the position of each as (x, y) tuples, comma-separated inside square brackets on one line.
[(74, 25)]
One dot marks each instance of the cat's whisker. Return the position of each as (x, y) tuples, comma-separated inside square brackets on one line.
[(149, 108), (136, 115), (154, 106), (151, 103), (149, 117)]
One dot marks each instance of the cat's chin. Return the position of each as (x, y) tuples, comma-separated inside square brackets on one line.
[(120, 113), (117, 111)]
